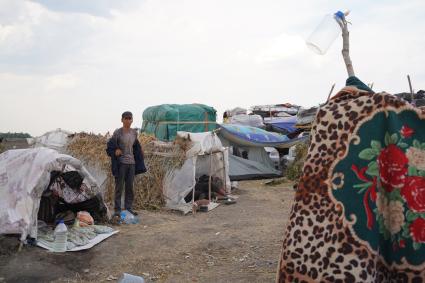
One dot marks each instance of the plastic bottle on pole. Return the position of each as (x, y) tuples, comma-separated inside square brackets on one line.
[(325, 33)]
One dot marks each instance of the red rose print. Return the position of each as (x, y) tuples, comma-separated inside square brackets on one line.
[(417, 230), (406, 132), (392, 164), (414, 193)]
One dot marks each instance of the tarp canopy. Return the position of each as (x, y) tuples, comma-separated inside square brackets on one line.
[(24, 175), (163, 121)]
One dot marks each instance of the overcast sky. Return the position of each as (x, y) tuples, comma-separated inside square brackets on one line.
[(78, 64)]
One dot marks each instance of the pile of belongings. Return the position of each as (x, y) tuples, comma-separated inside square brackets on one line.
[(305, 117), (247, 120), (236, 111), (276, 110), (165, 120), (418, 97), (69, 192)]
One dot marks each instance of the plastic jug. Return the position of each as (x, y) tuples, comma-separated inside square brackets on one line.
[(61, 237), (325, 33)]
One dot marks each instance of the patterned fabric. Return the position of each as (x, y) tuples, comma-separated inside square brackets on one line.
[(62, 190), (359, 211)]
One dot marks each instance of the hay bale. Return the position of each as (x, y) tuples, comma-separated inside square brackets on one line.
[(159, 157)]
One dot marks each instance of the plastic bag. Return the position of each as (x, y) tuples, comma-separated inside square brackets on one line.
[(85, 218)]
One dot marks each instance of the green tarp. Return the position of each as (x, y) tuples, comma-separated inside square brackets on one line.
[(163, 121)]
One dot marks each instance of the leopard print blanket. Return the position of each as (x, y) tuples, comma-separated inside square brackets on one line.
[(359, 210)]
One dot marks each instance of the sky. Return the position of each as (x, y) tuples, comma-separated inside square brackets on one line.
[(78, 64)]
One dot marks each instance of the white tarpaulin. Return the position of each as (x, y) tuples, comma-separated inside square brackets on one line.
[(179, 182), (24, 175), (96, 240)]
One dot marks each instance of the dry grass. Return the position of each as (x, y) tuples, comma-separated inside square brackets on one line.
[(294, 170), (148, 187)]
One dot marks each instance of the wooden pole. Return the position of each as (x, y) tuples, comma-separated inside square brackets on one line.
[(329, 96), (346, 45), (411, 91)]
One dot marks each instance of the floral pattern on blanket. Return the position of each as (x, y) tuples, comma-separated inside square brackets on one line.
[(385, 172)]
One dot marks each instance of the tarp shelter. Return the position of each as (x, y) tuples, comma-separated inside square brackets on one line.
[(164, 121), (249, 159), (24, 175), (207, 156)]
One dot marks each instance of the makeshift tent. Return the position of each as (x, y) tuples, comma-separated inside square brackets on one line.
[(249, 160), (24, 175), (207, 156), (163, 121)]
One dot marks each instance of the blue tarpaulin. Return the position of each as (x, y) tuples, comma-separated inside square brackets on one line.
[(286, 124)]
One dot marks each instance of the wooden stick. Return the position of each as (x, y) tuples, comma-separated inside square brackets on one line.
[(346, 46), (411, 90), (329, 96)]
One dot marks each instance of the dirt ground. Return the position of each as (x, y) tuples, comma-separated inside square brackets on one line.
[(232, 243)]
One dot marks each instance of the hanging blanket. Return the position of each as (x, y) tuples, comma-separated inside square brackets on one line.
[(359, 211)]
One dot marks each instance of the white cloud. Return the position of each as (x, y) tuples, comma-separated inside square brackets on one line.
[(59, 82), (282, 47)]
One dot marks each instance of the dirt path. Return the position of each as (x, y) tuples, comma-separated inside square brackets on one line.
[(233, 243)]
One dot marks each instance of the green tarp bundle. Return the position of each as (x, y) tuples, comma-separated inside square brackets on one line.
[(163, 121)]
